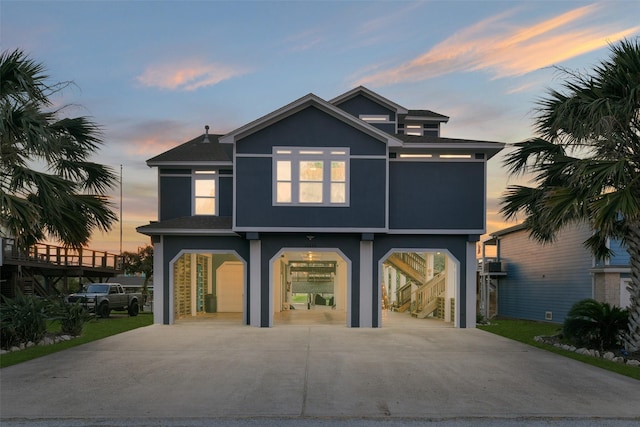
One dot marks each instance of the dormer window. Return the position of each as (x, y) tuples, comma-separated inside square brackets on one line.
[(204, 192), (311, 176), (420, 129)]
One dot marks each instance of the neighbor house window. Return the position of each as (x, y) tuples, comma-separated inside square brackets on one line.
[(204, 191), (310, 176)]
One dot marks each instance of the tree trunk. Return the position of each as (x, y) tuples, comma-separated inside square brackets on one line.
[(632, 340)]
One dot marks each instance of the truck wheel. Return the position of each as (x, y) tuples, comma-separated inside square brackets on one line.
[(104, 310), (134, 308)]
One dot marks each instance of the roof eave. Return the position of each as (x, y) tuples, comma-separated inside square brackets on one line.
[(184, 231), (489, 148)]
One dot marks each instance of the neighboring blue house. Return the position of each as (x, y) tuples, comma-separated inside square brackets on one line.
[(530, 280), (356, 204)]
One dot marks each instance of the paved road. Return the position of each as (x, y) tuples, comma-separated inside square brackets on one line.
[(404, 374)]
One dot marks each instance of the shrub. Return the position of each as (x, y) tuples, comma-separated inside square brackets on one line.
[(72, 316), (595, 324), (8, 337), (25, 316)]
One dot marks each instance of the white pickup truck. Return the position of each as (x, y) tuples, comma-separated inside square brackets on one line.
[(101, 298)]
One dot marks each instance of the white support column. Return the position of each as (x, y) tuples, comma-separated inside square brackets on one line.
[(429, 265), (471, 286), (255, 249), (366, 284), (194, 284), (393, 280), (157, 304)]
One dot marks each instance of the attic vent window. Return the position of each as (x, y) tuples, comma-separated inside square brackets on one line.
[(374, 118), (416, 156)]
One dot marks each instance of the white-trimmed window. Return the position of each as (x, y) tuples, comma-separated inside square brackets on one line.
[(311, 176), (205, 184)]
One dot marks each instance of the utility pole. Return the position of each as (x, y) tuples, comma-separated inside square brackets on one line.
[(120, 209)]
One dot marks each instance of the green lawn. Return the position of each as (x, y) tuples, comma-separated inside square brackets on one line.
[(93, 330), (525, 330)]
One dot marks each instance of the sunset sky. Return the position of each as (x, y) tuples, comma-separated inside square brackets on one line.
[(154, 73)]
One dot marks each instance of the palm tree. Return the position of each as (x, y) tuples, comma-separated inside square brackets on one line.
[(585, 164), (48, 186)]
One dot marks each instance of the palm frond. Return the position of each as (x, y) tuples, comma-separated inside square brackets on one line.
[(36, 203)]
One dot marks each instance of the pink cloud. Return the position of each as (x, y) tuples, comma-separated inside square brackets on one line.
[(187, 76), (503, 49)]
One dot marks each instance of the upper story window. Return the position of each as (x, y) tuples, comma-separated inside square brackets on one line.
[(311, 176), (205, 184)]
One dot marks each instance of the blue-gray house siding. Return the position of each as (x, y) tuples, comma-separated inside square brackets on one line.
[(436, 195), (393, 204), (310, 128), (175, 196), (362, 105), (620, 255), (544, 278)]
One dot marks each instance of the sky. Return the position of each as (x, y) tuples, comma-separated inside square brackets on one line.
[(152, 74)]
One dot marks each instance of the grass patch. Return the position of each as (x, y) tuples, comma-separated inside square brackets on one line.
[(93, 330), (525, 330)]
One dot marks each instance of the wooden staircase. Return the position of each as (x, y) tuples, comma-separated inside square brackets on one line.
[(411, 264), (426, 296), (404, 298)]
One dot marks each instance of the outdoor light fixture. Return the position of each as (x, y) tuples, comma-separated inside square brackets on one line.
[(455, 156)]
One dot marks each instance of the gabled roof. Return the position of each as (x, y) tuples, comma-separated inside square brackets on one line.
[(361, 90), (195, 152), (299, 105)]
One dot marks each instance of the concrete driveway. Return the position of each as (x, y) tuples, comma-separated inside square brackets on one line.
[(408, 370)]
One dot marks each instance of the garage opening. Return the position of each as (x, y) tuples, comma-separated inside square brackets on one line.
[(419, 285), (310, 287), (208, 286)]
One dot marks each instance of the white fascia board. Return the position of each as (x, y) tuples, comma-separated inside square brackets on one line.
[(399, 109), (457, 145), (300, 104), (435, 231), (345, 230)]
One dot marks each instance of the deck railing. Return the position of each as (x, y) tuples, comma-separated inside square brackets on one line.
[(42, 253), (425, 296)]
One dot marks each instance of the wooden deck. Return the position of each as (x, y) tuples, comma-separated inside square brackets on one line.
[(41, 266)]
